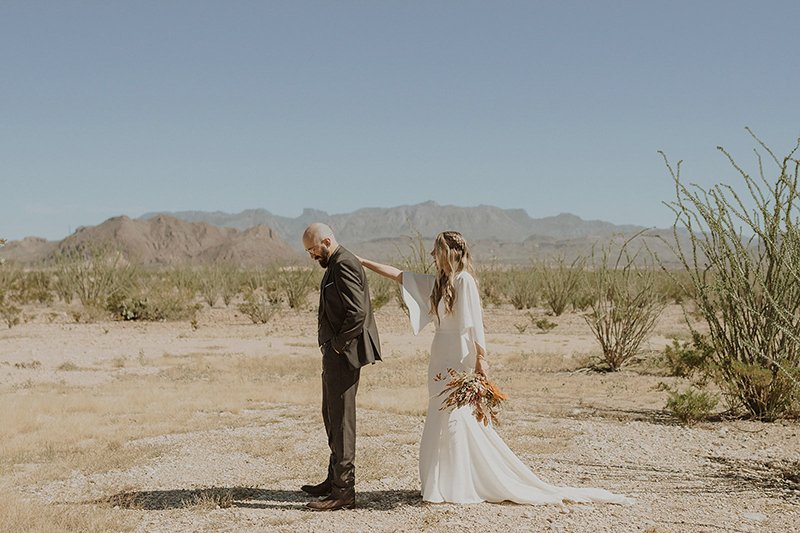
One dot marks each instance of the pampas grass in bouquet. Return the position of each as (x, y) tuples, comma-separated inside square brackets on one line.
[(475, 390)]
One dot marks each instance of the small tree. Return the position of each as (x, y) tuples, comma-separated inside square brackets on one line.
[(296, 284), (493, 284), (259, 306), (624, 307), (211, 281), (94, 274), (10, 277), (561, 282), (522, 287), (743, 263)]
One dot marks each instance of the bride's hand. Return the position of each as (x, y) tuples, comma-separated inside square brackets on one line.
[(482, 367)]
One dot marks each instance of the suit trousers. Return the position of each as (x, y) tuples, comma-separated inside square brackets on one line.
[(339, 387)]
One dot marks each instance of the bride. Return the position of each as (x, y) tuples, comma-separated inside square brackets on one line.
[(461, 460)]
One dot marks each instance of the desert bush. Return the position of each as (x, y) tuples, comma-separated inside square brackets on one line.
[(9, 278), (210, 281), (63, 286), (9, 286), (259, 306), (295, 284), (34, 287), (153, 297), (625, 307), (583, 295), (743, 263), (685, 359), (543, 324), (493, 285), (219, 280), (94, 275), (265, 279), (691, 405), (560, 282), (417, 257), (381, 290), (184, 279), (9, 312), (522, 289), (232, 283)]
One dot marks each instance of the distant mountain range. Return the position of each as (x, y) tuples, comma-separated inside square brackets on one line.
[(163, 241), (257, 237), (483, 222)]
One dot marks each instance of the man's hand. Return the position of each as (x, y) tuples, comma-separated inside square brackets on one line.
[(346, 344)]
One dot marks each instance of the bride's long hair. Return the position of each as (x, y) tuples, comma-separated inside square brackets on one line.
[(452, 256)]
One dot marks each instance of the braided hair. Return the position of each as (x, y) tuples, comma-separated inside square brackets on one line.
[(452, 255)]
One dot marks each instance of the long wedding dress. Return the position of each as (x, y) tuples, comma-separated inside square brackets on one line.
[(461, 460)]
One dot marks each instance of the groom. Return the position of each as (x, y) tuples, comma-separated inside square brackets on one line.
[(348, 339)]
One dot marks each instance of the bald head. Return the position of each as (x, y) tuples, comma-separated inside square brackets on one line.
[(319, 242), (317, 231)]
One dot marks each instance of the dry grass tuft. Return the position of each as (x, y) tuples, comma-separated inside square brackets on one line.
[(67, 366), (210, 499), (18, 515)]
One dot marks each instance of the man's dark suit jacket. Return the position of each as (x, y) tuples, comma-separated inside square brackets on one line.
[(345, 311)]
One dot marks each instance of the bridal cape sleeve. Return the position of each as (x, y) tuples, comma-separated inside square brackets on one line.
[(468, 312), (417, 289)]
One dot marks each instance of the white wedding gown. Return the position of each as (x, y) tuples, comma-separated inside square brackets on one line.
[(460, 459)]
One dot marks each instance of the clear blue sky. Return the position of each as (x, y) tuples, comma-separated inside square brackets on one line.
[(112, 108)]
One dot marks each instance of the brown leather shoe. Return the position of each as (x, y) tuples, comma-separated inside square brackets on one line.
[(333, 504), (323, 489)]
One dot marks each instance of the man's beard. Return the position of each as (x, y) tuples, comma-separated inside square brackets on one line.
[(325, 257)]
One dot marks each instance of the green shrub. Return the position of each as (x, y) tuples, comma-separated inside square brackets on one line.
[(153, 298), (94, 274), (210, 280), (232, 283), (687, 358), (219, 280), (543, 323), (35, 286), (743, 263), (9, 286), (265, 280), (691, 405), (381, 290), (560, 283), (10, 312), (185, 279), (583, 296), (624, 307), (295, 284), (493, 285), (259, 307), (522, 288)]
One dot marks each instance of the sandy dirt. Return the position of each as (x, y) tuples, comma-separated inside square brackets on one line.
[(162, 427)]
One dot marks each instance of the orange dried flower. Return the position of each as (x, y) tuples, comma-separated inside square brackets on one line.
[(475, 390)]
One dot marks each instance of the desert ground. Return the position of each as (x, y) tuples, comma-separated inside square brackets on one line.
[(213, 426)]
